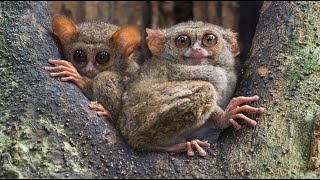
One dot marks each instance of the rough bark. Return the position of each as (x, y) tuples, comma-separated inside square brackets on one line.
[(283, 69), (47, 130)]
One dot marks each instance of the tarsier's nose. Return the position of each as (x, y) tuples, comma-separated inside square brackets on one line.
[(90, 70), (196, 47)]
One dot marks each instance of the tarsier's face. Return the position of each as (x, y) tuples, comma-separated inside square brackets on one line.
[(96, 46), (193, 44), (93, 52), (91, 59)]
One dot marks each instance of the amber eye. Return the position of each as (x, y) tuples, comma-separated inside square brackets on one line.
[(182, 41), (102, 57), (79, 56), (209, 40)]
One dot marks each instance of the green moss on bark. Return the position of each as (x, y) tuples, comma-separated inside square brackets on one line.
[(291, 118)]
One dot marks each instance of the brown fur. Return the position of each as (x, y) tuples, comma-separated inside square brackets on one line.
[(170, 99), (99, 81)]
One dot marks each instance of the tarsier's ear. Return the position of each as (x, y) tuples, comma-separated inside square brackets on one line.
[(128, 38), (64, 29), (231, 38), (155, 40)]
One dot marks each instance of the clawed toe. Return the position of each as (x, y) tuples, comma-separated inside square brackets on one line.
[(190, 150), (101, 111), (197, 145)]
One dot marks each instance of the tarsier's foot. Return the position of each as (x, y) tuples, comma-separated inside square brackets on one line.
[(197, 144), (101, 111), (233, 110), (66, 71), (187, 147)]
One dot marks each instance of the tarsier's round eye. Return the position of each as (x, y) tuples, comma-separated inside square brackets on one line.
[(209, 40), (182, 41), (79, 56), (102, 57)]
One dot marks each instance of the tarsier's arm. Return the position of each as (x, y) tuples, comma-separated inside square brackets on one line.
[(67, 72), (217, 76)]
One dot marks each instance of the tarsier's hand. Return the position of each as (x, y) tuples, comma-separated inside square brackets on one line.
[(66, 71), (101, 111), (233, 112)]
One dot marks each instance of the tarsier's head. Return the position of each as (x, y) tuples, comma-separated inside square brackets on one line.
[(192, 42), (97, 46)]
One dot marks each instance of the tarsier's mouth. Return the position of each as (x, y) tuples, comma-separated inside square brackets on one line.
[(196, 59), (196, 55), (91, 75)]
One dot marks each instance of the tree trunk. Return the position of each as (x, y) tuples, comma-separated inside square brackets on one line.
[(47, 130), (283, 69)]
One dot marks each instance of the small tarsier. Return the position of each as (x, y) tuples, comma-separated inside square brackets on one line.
[(100, 56), (183, 89)]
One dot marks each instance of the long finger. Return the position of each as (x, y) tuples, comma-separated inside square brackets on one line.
[(70, 78), (247, 108), (96, 106), (189, 150), (234, 124), (242, 116), (59, 68), (203, 143), (198, 148), (60, 62), (103, 113), (63, 74), (237, 101)]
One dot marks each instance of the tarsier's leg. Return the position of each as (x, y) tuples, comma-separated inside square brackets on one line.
[(233, 112), (101, 111), (107, 91), (166, 115), (66, 71)]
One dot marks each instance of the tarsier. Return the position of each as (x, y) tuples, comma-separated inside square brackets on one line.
[(99, 59), (183, 89)]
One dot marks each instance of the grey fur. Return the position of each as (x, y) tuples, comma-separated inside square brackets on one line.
[(168, 100)]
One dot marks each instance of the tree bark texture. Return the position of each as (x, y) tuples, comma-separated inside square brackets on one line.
[(284, 70), (44, 122), (47, 130)]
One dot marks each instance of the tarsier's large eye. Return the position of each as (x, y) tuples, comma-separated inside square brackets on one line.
[(79, 56), (209, 40), (182, 41), (102, 57)]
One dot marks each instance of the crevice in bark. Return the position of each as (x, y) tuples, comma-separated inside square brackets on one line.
[(249, 17)]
